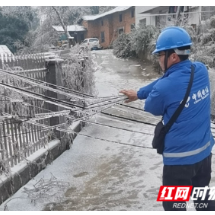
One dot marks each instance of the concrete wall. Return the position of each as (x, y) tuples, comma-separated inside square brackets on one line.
[(194, 18), (24, 171), (138, 17)]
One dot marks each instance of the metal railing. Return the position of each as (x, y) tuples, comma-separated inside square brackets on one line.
[(20, 139)]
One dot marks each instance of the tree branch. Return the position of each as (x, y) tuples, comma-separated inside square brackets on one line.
[(61, 21)]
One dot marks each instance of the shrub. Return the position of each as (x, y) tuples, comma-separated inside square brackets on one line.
[(122, 46), (135, 43), (142, 39)]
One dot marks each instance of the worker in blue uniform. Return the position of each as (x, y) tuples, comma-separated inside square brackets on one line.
[(188, 144)]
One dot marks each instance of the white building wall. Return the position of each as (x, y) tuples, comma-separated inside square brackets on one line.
[(138, 17), (194, 18), (151, 19)]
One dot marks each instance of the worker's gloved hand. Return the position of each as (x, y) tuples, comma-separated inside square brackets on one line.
[(131, 94)]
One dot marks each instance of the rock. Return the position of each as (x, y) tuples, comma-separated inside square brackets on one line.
[(135, 69)]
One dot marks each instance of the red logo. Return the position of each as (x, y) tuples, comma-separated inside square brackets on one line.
[(174, 193)]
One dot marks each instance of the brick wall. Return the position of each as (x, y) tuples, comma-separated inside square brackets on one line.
[(126, 22), (110, 26), (106, 29)]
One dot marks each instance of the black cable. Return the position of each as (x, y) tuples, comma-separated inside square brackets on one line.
[(106, 103), (28, 132), (31, 106), (56, 86), (43, 82), (28, 104), (97, 138), (44, 97), (38, 107), (130, 107), (121, 117), (8, 101), (124, 129), (109, 99), (89, 137), (142, 110)]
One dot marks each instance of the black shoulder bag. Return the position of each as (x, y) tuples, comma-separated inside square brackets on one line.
[(161, 130)]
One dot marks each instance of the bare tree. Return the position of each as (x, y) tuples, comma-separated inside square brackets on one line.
[(64, 16), (103, 9), (61, 21)]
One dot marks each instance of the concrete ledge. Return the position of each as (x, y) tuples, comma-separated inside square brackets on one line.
[(26, 170)]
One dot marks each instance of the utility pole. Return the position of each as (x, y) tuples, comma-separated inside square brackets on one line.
[(178, 15)]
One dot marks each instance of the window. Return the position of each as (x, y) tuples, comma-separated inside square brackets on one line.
[(120, 17), (102, 36), (82, 37), (120, 30), (143, 21), (85, 41), (157, 21), (132, 26), (94, 39), (132, 12), (102, 23)]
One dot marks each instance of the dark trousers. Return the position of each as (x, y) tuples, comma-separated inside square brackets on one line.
[(196, 175)]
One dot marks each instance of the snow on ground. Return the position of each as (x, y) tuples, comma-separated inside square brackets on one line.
[(103, 175)]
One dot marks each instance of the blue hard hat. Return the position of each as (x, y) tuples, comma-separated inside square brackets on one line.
[(172, 38)]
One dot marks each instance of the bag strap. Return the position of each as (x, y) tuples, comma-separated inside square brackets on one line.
[(181, 106)]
